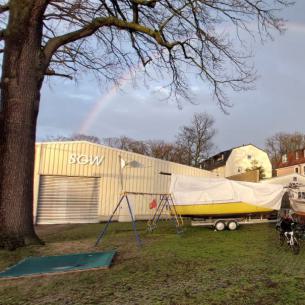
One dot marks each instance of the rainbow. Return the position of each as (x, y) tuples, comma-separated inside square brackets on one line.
[(113, 91), (101, 103)]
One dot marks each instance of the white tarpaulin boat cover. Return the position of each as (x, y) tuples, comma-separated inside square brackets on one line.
[(190, 190)]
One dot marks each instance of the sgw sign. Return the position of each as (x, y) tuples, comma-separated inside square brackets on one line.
[(85, 159)]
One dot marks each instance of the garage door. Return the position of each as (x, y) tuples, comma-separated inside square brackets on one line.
[(65, 199)]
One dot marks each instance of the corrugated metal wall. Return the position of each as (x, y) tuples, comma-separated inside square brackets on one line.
[(53, 159)]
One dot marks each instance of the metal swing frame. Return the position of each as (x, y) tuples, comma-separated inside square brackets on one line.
[(103, 232), (166, 201)]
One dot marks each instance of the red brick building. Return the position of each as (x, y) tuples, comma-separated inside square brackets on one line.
[(292, 162)]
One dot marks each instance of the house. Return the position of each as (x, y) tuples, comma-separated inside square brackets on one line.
[(239, 160), (292, 162)]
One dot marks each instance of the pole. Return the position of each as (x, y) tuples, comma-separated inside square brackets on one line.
[(163, 201), (121, 173), (133, 224), (101, 235)]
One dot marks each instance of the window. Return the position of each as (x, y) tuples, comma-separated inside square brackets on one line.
[(284, 158), (220, 158), (296, 170), (239, 169), (297, 155), (304, 170), (249, 157)]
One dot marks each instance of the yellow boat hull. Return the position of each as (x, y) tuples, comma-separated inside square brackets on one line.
[(228, 208)]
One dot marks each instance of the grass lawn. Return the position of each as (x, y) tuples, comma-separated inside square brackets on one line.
[(199, 266)]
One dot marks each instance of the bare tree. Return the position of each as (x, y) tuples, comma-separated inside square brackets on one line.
[(153, 148), (74, 137), (66, 37), (196, 139), (128, 144), (116, 142), (282, 143), (162, 150)]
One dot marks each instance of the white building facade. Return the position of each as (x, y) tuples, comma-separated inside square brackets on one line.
[(81, 182), (238, 160)]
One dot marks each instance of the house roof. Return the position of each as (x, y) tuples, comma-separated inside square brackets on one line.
[(216, 160), (219, 161), (292, 160)]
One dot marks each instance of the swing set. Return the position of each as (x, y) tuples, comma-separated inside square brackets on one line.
[(166, 203)]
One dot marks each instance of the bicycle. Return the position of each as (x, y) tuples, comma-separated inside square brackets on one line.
[(290, 236)]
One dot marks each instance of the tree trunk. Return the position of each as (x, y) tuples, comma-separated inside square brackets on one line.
[(22, 77)]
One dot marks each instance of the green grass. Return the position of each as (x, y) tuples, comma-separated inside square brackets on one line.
[(199, 266)]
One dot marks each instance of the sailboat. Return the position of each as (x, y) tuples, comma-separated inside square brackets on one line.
[(208, 197)]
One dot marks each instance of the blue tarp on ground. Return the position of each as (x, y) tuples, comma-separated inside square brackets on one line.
[(61, 263)]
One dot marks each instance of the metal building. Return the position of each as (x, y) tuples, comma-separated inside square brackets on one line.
[(80, 182)]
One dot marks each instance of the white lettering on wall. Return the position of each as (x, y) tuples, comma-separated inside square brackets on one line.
[(72, 159), (85, 159)]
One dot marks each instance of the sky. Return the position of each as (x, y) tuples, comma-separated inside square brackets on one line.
[(277, 104)]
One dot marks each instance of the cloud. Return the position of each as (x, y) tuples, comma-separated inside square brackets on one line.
[(80, 96)]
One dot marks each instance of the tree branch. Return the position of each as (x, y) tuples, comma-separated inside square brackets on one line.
[(89, 29), (2, 34), (51, 72), (172, 35), (149, 3), (4, 8)]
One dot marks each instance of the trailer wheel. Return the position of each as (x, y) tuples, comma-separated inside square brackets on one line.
[(232, 225), (219, 225)]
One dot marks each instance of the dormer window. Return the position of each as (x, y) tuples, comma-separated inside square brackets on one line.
[(297, 155), (284, 158), (220, 158)]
